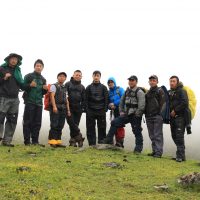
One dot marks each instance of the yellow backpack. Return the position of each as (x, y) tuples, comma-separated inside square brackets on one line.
[(192, 100)]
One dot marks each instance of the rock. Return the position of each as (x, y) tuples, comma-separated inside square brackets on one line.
[(190, 179), (163, 187), (107, 146), (23, 169), (112, 165)]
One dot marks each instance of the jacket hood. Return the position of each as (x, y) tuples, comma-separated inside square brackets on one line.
[(113, 79)]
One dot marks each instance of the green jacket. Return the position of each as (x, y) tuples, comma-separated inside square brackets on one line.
[(34, 95)]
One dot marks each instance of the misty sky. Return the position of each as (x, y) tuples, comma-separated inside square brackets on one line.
[(118, 37)]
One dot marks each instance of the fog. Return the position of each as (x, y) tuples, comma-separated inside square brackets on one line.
[(119, 38)]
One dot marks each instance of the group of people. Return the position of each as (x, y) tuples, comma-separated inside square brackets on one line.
[(67, 102)]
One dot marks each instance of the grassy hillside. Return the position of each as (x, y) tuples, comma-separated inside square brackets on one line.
[(46, 173)]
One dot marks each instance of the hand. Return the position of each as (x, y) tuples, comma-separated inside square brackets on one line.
[(7, 76), (45, 87), (33, 84), (55, 110), (68, 113), (173, 114)]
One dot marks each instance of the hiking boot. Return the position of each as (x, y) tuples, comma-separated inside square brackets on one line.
[(120, 144), (157, 156), (53, 145), (72, 142), (8, 144), (79, 139), (137, 152), (151, 154), (179, 159), (107, 141), (60, 145)]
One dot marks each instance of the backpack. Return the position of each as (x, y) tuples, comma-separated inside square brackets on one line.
[(165, 111), (47, 100), (192, 100)]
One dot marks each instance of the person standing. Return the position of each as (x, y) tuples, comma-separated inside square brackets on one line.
[(115, 94), (96, 108), (33, 99), (131, 108), (155, 98), (11, 82), (59, 108), (178, 105), (76, 96)]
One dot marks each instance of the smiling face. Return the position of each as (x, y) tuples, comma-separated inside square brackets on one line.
[(13, 61), (61, 78), (77, 76)]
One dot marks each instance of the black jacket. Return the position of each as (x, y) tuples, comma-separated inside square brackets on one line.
[(97, 97), (76, 95), (178, 100), (8, 88), (155, 99)]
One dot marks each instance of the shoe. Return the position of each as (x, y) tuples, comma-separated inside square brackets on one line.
[(157, 156), (107, 141), (179, 160), (151, 154), (60, 145), (53, 145), (72, 142), (119, 144), (79, 139), (183, 159), (1, 139), (8, 144), (137, 152)]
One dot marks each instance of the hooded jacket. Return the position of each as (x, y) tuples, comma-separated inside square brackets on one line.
[(115, 93), (76, 95), (178, 100), (10, 88)]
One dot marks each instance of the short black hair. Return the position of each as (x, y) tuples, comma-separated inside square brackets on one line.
[(62, 73), (97, 72), (79, 71), (176, 77), (39, 61)]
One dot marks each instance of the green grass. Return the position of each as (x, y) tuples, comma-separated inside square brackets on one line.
[(68, 174)]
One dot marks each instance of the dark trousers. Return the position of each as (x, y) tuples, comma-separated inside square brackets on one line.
[(177, 130), (91, 118), (9, 111), (57, 122), (155, 129), (136, 128), (73, 122), (32, 120)]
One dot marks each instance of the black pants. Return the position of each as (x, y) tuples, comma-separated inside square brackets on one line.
[(136, 128), (177, 130), (73, 122), (32, 123), (91, 118), (57, 122)]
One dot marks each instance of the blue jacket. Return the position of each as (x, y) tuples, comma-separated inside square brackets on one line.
[(115, 93)]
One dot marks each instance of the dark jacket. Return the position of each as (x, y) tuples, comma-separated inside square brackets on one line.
[(34, 95), (97, 97), (9, 88), (178, 100), (76, 95), (155, 98)]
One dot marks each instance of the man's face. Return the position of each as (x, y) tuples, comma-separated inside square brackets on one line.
[(13, 61), (173, 83), (38, 67), (111, 84), (153, 82), (96, 78), (132, 83), (61, 78), (77, 76)]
